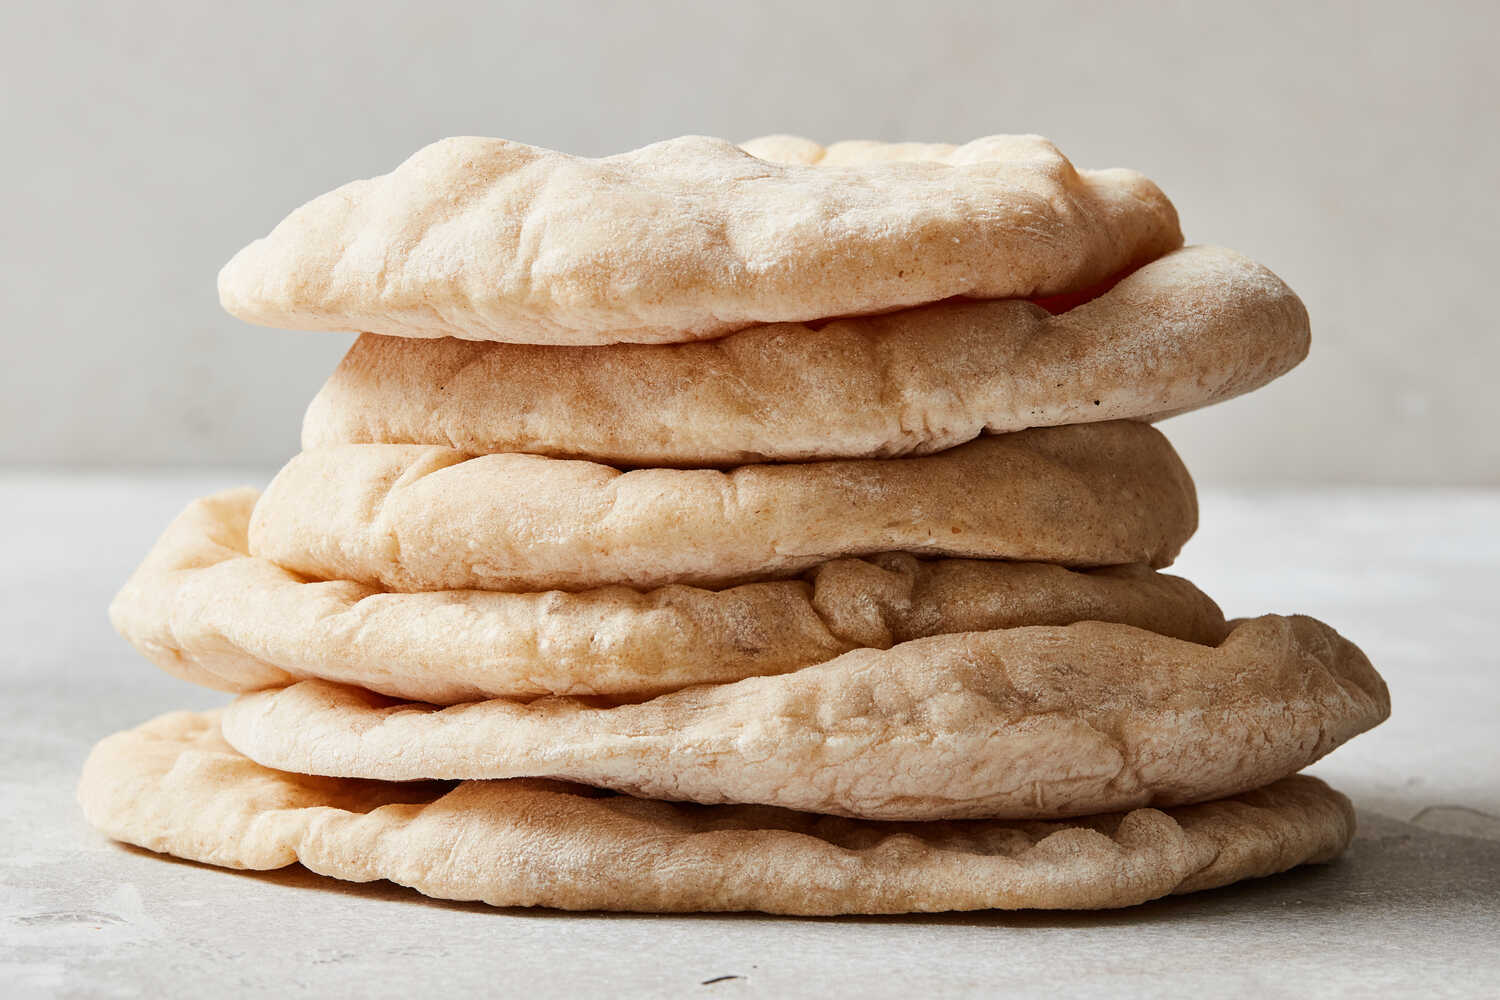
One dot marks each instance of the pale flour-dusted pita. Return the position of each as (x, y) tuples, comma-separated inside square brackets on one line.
[(690, 238), (1195, 327), (173, 786), (1024, 723), (414, 517), (202, 608)]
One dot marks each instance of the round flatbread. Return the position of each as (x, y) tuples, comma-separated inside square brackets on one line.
[(1024, 723), (173, 786), (1198, 326), (690, 238), (413, 518), (204, 609)]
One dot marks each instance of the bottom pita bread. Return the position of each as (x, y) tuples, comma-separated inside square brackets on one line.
[(175, 787)]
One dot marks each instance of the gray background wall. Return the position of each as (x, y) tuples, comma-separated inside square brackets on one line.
[(1354, 148)]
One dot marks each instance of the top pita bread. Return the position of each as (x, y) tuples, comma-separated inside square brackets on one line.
[(690, 238), (1197, 326)]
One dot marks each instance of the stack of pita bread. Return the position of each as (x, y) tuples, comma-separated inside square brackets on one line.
[(773, 527)]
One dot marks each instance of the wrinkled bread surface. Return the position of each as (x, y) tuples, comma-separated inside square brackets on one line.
[(416, 517), (486, 239), (201, 607), (1025, 723), (1196, 327)]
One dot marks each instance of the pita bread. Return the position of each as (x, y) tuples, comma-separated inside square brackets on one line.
[(690, 238), (173, 786), (1196, 327), (202, 608), (1025, 723), (413, 517)]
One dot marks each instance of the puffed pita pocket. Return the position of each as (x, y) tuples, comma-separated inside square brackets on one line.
[(486, 239), (1027, 723), (414, 518), (201, 607), (175, 787), (1196, 327)]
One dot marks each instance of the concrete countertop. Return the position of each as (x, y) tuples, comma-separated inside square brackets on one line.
[(1413, 577)]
